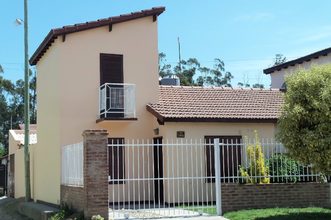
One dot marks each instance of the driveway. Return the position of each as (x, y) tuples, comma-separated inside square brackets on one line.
[(8, 209)]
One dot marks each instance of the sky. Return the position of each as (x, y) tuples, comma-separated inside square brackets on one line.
[(245, 34)]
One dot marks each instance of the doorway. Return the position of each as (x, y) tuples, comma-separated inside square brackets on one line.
[(158, 170)]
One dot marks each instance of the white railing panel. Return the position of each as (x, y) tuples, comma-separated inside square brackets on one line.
[(117, 100), (72, 165)]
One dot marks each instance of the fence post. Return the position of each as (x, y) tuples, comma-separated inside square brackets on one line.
[(217, 165), (96, 173)]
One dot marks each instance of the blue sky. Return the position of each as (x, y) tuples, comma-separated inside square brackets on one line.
[(245, 34)]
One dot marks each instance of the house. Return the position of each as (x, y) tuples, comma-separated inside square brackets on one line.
[(279, 72), (16, 159), (104, 75), (76, 65)]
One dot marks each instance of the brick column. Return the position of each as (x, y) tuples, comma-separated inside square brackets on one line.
[(96, 173)]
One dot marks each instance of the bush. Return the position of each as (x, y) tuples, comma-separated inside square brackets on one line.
[(285, 169), (257, 171), (67, 213), (97, 217), (304, 125)]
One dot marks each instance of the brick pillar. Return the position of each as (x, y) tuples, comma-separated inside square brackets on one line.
[(96, 173)]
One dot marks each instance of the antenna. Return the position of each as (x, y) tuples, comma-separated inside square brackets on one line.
[(179, 57)]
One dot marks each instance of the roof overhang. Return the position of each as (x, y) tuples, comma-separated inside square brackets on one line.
[(162, 119), (300, 60), (54, 33)]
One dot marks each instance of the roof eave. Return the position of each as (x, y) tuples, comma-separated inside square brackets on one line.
[(159, 117), (231, 120), (300, 60), (54, 33)]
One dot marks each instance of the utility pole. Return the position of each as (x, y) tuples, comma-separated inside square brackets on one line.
[(26, 106), (179, 56)]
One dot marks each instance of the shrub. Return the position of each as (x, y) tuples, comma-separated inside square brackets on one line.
[(257, 171), (97, 217), (284, 169), (66, 212), (304, 125)]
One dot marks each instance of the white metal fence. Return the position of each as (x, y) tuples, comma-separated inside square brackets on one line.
[(72, 164), (117, 100), (158, 178)]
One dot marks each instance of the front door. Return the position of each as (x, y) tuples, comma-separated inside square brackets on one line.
[(158, 170)]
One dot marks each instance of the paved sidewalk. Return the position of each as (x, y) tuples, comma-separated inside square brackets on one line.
[(8, 209), (198, 218)]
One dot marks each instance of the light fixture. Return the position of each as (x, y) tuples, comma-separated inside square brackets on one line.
[(4, 161), (18, 21)]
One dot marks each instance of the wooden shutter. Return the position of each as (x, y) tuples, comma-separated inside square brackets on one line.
[(111, 71), (116, 155), (111, 68)]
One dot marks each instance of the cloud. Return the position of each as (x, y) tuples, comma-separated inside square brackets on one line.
[(317, 34), (261, 16)]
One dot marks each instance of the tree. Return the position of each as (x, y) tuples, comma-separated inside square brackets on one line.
[(186, 70), (220, 76), (164, 67), (192, 73), (279, 59), (246, 85), (305, 122), (258, 85), (12, 105)]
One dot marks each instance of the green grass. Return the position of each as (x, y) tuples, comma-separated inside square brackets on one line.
[(311, 213), (211, 210)]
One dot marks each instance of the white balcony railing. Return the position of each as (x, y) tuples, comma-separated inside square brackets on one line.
[(117, 100)]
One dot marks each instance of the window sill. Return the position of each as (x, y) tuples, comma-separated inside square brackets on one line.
[(115, 119)]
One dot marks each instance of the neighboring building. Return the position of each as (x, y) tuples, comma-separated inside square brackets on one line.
[(104, 75), (16, 186), (3, 175), (279, 72)]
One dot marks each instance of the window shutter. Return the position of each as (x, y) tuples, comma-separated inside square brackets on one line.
[(111, 68)]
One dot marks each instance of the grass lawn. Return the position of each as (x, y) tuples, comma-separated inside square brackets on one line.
[(281, 214)]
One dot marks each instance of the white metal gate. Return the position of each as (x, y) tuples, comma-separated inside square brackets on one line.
[(156, 178)]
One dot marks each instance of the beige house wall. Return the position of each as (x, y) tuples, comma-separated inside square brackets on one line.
[(47, 152), (194, 163), (277, 77), (68, 92), (183, 161)]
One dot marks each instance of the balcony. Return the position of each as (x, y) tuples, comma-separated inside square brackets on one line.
[(117, 102)]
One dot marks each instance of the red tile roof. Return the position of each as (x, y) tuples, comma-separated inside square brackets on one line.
[(213, 104), (54, 33)]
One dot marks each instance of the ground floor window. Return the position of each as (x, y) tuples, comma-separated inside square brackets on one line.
[(231, 150), (116, 155)]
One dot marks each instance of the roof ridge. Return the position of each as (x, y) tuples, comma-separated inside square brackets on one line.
[(219, 88)]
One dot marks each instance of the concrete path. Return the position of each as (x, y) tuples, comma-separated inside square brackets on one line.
[(161, 213), (199, 218), (8, 209)]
